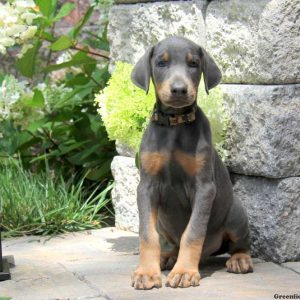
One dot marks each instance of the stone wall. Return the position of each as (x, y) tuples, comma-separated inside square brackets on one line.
[(256, 45)]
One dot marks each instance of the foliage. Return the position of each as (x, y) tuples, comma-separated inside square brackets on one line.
[(41, 204), (56, 119), (64, 131), (17, 101), (125, 109), (49, 122)]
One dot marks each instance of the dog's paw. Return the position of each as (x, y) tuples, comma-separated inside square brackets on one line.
[(239, 263), (180, 277), (146, 279)]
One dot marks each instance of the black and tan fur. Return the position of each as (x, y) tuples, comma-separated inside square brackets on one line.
[(185, 194)]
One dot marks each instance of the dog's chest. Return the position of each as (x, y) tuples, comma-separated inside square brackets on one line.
[(176, 163)]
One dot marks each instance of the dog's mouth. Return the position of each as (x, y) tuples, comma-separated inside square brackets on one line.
[(176, 99), (178, 102)]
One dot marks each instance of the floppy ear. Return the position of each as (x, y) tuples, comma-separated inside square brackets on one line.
[(211, 73), (141, 72)]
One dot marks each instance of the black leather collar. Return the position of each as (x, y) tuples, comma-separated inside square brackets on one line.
[(174, 117)]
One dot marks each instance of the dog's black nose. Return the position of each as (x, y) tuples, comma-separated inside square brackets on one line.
[(178, 88)]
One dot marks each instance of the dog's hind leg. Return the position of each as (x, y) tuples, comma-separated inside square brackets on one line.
[(237, 231), (168, 259), (169, 252)]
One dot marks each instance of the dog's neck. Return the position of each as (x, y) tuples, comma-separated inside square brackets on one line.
[(168, 110), (170, 116)]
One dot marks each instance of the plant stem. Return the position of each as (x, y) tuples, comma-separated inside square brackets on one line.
[(102, 54), (50, 52)]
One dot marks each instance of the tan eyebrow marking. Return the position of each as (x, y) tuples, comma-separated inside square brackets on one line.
[(166, 56)]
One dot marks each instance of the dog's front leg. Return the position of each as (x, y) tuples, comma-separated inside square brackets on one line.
[(185, 273), (147, 275)]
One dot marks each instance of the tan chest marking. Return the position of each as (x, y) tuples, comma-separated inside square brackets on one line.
[(153, 162), (191, 164)]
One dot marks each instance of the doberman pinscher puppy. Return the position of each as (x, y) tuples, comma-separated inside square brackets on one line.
[(185, 193)]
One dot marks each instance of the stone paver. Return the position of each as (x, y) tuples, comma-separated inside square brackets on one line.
[(295, 266), (97, 265)]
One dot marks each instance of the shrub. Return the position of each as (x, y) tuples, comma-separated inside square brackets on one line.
[(56, 119), (17, 101), (50, 119), (42, 204), (125, 109), (65, 130)]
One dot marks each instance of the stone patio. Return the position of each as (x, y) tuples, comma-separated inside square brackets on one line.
[(97, 265)]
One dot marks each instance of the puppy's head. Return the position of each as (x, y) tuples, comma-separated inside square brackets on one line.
[(175, 65)]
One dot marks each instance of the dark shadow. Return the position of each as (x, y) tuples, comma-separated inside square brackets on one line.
[(128, 244), (212, 264)]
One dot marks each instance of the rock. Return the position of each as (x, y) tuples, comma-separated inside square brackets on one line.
[(124, 150), (135, 27), (255, 41), (273, 207), (263, 135), (135, 1), (126, 177)]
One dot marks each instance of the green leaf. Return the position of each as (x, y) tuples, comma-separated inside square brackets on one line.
[(54, 153), (77, 60), (47, 36), (26, 64), (37, 100), (99, 172), (89, 68), (77, 29), (47, 7), (63, 43), (74, 145), (34, 126), (87, 152), (79, 79), (26, 142), (80, 92), (102, 75), (64, 11)]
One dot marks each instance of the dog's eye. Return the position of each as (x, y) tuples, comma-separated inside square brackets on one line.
[(193, 64), (162, 63)]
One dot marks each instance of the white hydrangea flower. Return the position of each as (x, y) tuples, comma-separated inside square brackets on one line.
[(2, 49), (11, 91), (28, 17), (25, 3), (28, 33), (15, 30), (64, 57), (7, 41), (14, 96), (16, 27)]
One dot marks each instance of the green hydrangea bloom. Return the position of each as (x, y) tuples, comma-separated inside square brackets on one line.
[(125, 108)]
